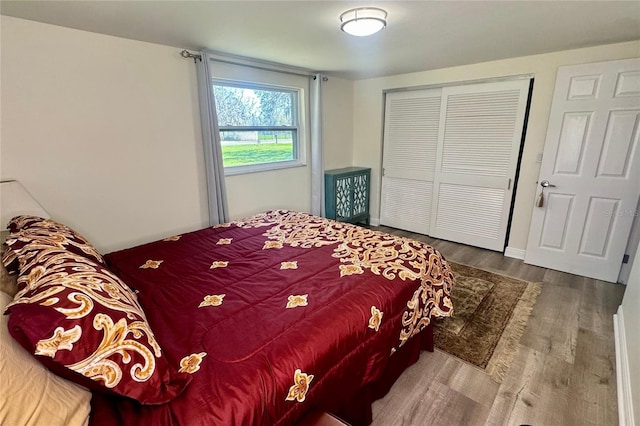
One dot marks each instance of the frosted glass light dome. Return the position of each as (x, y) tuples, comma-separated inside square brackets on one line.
[(363, 21)]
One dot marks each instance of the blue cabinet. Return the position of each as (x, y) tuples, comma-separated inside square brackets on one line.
[(347, 194)]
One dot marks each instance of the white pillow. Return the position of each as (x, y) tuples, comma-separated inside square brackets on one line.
[(29, 393)]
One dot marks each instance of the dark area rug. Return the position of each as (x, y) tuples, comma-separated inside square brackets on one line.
[(490, 314)]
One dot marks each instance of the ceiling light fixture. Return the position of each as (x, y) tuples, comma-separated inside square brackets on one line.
[(363, 21)]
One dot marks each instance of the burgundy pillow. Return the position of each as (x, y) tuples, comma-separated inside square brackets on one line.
[(85, 324), (33, 233)]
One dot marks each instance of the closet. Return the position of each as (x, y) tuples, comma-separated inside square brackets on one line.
[(450, 160)]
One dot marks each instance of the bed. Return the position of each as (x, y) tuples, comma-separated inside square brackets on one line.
[(254, 322)]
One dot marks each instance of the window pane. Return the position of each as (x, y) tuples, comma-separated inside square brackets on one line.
[(243, 148), (238, 106)]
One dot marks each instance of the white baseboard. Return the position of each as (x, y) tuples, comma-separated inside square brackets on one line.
[(623, 377), (374, 221), (514, 252)]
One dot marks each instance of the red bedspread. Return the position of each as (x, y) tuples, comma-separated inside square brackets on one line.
[(278, 313)]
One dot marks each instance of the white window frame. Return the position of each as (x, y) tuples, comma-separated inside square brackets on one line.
[(299, 140)]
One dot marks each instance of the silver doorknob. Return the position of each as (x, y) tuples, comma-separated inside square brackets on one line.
[(547, 184)]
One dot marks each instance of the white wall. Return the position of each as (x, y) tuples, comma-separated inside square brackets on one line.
[(368, 113), (105, 134), (630, 310), (256, 192), (337, 114), (103, 131)]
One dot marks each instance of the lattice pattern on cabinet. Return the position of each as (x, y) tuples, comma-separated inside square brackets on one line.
[(347, 194), (344, 190), (360, 194)]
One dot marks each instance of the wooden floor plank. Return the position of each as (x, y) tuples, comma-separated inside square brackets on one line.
[(555, 317), (436, 404), (592, 398), (597, 306), (562, 374), (535, 391), (471, 382), (411, 384)]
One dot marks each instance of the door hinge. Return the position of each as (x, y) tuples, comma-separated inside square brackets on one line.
[(625, 258)]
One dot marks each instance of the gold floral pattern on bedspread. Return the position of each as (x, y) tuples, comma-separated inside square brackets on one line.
[(376, 318), (60, 340), (360, 249), (191, 363), (272, 244), (295, 301), (289, 265), (212, 300), (301, 382), (346, 270), (151, 264)]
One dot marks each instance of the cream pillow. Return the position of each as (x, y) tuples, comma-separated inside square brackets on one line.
[(29, 393), (8, 282)]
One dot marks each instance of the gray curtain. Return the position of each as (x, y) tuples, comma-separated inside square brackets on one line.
[(317, 148), (216, 191)]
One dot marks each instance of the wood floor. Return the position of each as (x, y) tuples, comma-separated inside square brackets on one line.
[(563, 372)]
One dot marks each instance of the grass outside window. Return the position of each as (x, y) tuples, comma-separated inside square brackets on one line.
[(246, 154)]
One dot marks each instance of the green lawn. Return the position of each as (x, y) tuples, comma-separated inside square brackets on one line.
[(243, 154)]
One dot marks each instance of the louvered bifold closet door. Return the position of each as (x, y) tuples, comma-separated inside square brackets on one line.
[(410, 145), (478, 146)]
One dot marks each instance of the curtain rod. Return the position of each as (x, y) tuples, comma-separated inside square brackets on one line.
[(197, 57), (186, 54)]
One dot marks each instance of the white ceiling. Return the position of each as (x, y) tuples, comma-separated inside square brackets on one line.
[(421, 35)]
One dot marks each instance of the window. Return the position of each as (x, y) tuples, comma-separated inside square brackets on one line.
[(259, 126)]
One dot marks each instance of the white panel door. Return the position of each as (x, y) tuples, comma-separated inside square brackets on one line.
[(410, 140), (478, 147), (591, 156)]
